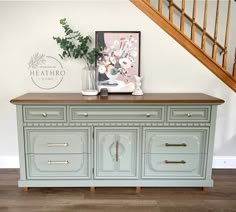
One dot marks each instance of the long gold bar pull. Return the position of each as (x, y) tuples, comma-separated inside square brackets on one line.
[(175, 162), (117, 151), (175, 145), (58, 162), (58, 144)]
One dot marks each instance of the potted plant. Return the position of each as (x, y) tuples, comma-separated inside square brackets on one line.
[(77, 46)]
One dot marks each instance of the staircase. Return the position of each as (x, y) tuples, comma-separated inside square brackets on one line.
[(176, 21)]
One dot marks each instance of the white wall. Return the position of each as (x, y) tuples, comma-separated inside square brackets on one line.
[(28, 27)]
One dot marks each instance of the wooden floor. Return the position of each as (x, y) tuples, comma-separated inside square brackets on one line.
[(221, 198)]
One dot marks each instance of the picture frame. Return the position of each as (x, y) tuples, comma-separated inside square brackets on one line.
[(119, 62)]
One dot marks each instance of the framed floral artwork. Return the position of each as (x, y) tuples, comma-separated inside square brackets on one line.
[(119, 62)]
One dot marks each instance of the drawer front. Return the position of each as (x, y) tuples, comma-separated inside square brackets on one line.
[(115, 113), (175, 140), (189, 114), (46, 141), (58, 166), (174, 165), (44, 113)]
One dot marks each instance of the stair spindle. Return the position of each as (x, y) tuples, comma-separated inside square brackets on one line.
[(225, 56), (171, 11), (234, 67), (204, 27), (214, 49), (182, 17), (193, 29), (160, 6)]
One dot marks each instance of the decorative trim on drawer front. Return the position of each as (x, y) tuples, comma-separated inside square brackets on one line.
[(44, 113), (58, 166), (177, 166), (116, 113), (123, 124), (43, 140), (175, 140), (189, 113)]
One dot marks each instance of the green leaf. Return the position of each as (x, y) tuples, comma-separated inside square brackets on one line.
[(63, 21)]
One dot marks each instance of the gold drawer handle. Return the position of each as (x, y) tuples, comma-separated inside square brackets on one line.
[(58, 144), (175, 161), (58, 162), (189, 115), (44, 115), (117, 151), (175, 145)]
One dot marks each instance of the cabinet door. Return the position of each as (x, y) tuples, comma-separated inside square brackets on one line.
[(116, 151)]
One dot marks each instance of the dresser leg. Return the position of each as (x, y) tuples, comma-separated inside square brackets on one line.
[(25, 189), (205, 189), (92, 189), (138, 189)]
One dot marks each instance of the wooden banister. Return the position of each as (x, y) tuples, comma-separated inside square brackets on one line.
[(214, 49), (182, 21), (225, 56), (193, 28), (203, 46)]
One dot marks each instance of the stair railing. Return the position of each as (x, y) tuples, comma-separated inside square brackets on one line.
[(195, 27)]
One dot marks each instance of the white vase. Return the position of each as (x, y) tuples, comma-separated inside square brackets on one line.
[(89, 87)]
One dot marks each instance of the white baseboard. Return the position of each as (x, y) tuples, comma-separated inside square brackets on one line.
[(219, 162), (224, 162), (9, 162)]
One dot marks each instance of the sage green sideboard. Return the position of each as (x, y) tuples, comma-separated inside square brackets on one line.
[(70, 140)]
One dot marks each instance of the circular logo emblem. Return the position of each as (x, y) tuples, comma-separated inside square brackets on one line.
[(46, 72)]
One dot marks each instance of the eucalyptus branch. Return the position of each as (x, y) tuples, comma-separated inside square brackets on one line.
[(75, 45)]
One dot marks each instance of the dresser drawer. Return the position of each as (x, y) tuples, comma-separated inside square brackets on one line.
[(44, 113), (116, 113), (41, 140), (189, 114), (175, 140), (57, 166), (174, 165)]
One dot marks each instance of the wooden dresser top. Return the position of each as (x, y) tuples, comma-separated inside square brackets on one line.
[(116, 98)]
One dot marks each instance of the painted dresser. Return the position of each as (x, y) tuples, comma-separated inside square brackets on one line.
[(70, 140)]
